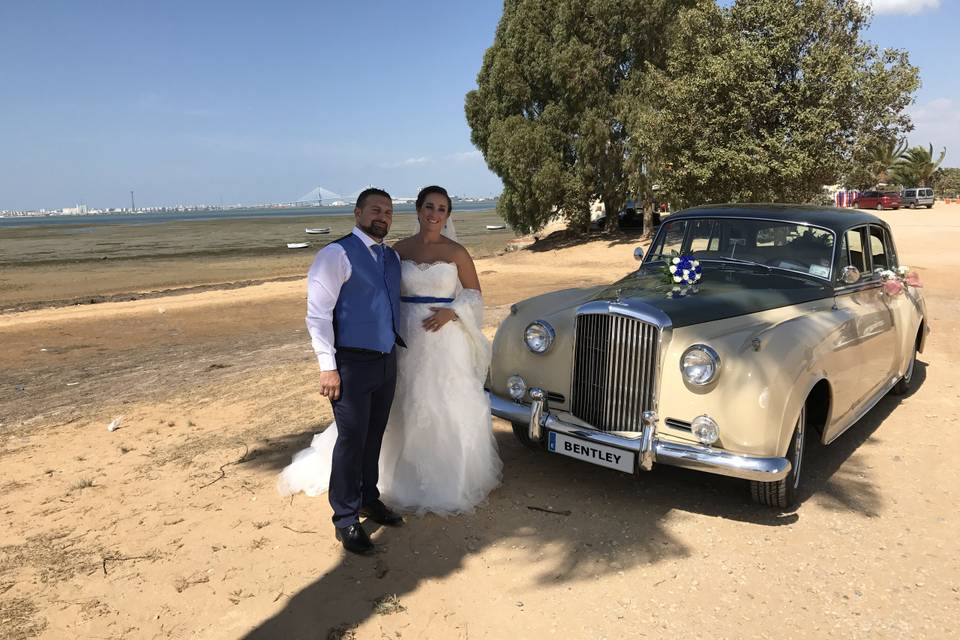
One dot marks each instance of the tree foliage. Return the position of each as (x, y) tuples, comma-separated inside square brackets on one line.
[(769, 100), (917, 166), (884, 157), (547, 111), (762, 100), (946, 181)]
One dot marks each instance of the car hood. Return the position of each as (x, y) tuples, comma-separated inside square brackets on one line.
[(723, 292)]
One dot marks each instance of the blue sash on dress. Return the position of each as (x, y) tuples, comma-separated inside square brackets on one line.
[(424, 299)]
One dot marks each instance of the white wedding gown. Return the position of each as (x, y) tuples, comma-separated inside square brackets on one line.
[(439, 454)]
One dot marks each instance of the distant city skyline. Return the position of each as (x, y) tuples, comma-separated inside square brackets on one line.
[(237, 102)]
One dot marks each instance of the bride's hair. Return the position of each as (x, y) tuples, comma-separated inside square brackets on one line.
[(426, 191)]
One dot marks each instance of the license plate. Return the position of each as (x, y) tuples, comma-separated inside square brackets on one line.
[(600, 454)]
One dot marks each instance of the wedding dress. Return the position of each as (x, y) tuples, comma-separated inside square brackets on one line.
[(439, 454)]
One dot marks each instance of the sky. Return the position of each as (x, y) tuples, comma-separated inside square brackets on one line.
[(250, 102)]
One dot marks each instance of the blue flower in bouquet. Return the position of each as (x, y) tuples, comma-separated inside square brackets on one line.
[(684, 270)]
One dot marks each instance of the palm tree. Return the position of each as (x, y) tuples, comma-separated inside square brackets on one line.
[(884, 156), (917, 166)]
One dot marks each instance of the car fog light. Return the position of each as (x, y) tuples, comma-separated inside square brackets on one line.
[(539, 336), (705, 429), (516, 387)]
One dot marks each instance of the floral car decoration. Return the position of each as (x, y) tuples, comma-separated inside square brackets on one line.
[(897, 281), (684, 270), (745, 331)]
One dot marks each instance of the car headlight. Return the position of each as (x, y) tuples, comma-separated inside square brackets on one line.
[(516, 387), (539, 336), (700, 365)]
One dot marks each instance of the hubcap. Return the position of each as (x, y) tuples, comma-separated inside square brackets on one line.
[(908, 376), (798, 446)]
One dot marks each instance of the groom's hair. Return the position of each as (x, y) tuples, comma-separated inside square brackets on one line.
[(426, 191), (372, 191)]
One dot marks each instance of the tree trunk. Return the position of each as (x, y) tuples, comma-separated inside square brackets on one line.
[(647, 216)]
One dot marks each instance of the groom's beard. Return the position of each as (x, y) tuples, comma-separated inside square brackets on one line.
[(376, 229)]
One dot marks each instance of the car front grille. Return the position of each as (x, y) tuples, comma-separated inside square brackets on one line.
[(615, 364)]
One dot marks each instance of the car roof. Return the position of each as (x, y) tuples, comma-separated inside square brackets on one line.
[(828, 217)]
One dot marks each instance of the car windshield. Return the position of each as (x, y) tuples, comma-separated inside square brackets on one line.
[(797, 247)]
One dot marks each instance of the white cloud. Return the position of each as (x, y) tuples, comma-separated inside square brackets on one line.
[(937, 122), (408, 162), (902, 6), (466, 156)]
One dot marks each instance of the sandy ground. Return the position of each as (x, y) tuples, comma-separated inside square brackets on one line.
[(170, 526)]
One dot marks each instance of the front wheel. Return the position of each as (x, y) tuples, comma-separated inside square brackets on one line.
[(783, 493), (904, 384), (879, 206)]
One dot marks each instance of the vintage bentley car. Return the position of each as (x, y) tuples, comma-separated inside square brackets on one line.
[(801, 320)]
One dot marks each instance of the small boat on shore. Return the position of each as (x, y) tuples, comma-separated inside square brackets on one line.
[(495, 227), (318, 230), (297, 245)]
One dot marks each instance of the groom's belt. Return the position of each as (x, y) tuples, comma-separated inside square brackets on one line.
[(424, 299), (365, 352)]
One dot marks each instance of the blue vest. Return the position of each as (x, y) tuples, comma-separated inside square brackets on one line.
[(367, 310)]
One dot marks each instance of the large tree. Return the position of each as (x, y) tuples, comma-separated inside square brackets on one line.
[(768, 100), (548, 109)]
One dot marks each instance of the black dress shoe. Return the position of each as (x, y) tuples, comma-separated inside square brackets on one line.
[(381, 514), (355, 539)]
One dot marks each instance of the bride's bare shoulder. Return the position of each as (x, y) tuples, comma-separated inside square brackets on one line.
[(403, 247)]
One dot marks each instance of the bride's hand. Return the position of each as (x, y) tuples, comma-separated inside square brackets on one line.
[(440, 317)]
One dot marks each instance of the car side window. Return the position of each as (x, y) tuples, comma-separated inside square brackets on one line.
[(878, 248), (853, 244)]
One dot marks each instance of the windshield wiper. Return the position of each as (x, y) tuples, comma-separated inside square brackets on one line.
[(751, 263)]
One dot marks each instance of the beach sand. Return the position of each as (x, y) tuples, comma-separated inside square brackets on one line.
[(90, 262), (171, 527)]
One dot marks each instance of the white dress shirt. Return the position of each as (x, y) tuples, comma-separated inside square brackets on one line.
[(330, 269)]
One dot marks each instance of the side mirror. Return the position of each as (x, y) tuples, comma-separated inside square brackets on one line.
[(638, 254), (850, 275)]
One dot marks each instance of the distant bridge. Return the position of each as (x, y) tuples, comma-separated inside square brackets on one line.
[(322, 196)]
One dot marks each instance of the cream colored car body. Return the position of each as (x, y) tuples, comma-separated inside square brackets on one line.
[(848, 349)]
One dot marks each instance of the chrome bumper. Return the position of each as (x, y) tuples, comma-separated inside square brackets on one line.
[(648, 447)]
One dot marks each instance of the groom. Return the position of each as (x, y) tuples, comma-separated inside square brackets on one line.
[(353, 298)]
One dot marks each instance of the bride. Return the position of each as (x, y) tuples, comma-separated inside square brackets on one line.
[(439, 454)]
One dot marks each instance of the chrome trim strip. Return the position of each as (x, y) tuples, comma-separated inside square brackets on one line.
[(866, 408), (689, 456)]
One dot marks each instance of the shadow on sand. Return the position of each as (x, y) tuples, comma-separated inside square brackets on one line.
[(566, 238), (615, 522), (830, 472)]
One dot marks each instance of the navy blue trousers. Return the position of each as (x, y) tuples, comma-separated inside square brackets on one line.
[(367, 384)]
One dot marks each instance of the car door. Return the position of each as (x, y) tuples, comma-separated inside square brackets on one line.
[(863, 338), (904, 306)]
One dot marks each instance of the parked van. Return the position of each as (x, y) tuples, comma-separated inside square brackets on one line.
[(917, 197)]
